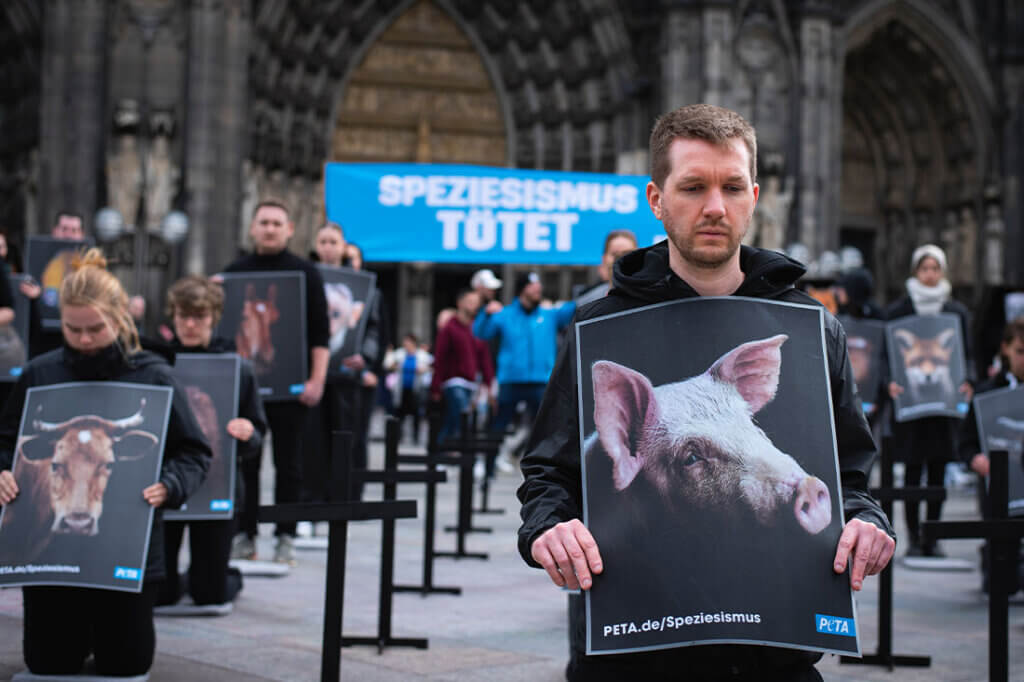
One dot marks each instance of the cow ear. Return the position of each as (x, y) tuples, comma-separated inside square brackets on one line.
[(945, 337), (753, 368), (134, 445), (905, 339), (624, 408), (37, 447)]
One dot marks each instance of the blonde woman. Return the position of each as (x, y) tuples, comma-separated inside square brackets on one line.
[(62, 625)]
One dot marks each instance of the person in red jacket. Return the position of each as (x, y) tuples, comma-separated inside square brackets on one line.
[(461, 361)]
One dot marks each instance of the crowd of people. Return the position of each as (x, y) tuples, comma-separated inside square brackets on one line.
[(512, 361)]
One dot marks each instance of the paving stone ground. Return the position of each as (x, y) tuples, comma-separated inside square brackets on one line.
[(509, 623)]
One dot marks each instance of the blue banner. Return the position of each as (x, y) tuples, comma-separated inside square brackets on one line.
[(484, 214)]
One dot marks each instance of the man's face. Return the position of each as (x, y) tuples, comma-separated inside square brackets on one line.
[(469, 304), (533, 293), (270, 230), (1014, 352), (617, 248), (68, 227), (707, 201)]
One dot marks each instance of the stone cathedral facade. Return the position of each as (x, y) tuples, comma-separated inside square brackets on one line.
[(882, 124)]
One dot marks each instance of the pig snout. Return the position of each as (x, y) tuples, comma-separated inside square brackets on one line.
[(812, 505)]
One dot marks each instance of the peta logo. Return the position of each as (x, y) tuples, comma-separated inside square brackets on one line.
[(220, 505), (834, 625), (126, 573)]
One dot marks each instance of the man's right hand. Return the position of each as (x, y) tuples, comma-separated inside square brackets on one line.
[(568, 552), (8, 487), (30, 289), (493, 307)]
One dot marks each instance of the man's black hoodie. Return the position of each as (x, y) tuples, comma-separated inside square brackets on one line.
[(552, 490)]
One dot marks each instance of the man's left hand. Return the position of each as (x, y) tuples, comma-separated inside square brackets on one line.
[(155, 494), (871, 547), (312, 391)]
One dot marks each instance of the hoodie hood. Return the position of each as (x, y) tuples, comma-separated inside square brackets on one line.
[(645, 274), (217, 345)]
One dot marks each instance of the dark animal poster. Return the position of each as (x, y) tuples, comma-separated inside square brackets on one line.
[(211, 385), (349, 296), (926, 358), (865, 340), (265, 315), (47, 260), (711, 481), (1000, 417), (14, 336), (85, 453)]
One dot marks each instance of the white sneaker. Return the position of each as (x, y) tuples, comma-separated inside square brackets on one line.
[(505, 463), (284, 553), (304, 529), (479, 470)]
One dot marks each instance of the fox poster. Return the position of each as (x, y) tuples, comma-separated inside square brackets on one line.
[(926, 360)]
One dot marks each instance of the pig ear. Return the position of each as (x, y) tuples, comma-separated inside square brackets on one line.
[(624, 408), (753, 369), (134, 445)]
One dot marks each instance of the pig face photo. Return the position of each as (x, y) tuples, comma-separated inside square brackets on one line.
[(81, 478), (211, 384), (265, 315), (349, 293), (706, 445), (926, 358)]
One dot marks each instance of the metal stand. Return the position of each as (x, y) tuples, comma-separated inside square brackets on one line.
[(1004, 535), (337, 516), (884, 656)]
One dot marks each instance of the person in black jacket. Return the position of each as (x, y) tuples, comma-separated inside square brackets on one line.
[(270, 230), (195, 305), (63, 625), (703, 168), (971, 450), (927, 444)]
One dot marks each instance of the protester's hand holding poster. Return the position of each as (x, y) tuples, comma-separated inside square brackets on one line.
[(865, 340), (47, 260), (1000, 417), (926, 358), (211, 384), (711, 481), (265, 315), (14, 336), (349, 297), (85, 453)]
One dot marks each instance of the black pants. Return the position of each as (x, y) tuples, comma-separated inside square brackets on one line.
[(210, 581), (63, 624), (340, 410), (287, 431), (410, 407), (925, 445)]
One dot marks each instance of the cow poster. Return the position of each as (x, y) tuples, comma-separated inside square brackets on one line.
[(85, 453), (865, 340), (1000, 418), (926, 358), (265, 315), (47, 260), (211, 384), (349, 297), (710, 478), (14, 336)]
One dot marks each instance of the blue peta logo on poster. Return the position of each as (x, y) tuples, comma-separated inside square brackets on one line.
[(834, 625), (127, 573), (220, 505)]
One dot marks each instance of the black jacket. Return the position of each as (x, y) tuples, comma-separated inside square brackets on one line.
[(186, 454), (552, 490)]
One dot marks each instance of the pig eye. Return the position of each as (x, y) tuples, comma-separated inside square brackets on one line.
[(691, 456)]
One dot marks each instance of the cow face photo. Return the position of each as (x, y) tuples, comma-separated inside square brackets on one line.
[(926, 355), (265, 315), (348, 293), (709, 443), (81, 478)]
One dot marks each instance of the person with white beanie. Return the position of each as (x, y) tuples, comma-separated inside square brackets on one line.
[(928, 443)]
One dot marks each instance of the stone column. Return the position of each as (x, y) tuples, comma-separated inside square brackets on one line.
[(73, 108), (682, 62), (216, 113)]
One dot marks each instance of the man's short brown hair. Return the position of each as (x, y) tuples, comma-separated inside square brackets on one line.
[(271, 203), (698, 122), (195, 295)]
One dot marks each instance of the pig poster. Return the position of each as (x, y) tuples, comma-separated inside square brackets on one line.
[(926, 358), (47, 260), (349, 297), (865, 341), (85, 452), (265, 315), (1000, 418), (14, 336), (710, 478), (211, 384)]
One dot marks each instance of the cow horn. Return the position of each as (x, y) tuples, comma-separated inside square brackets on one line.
[(40, 425), (126, 423), (131, 421)]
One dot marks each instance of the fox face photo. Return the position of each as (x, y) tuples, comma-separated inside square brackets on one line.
[(704, 420), (926, 360)]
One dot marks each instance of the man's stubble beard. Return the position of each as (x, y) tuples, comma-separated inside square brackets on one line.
[(692, 255)]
